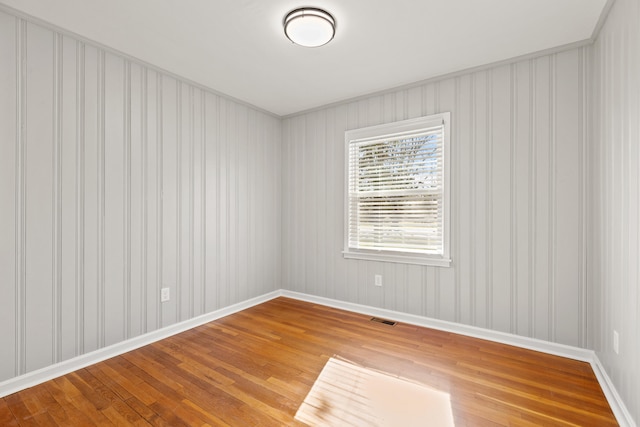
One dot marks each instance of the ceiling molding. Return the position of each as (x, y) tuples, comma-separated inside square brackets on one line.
[(296, 105), (603, 18), (509, 61), (55, 28)]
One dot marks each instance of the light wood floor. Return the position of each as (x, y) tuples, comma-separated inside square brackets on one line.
[(254, 368)]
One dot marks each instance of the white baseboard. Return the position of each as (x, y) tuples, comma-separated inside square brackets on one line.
[(615, 402), (618, 407), (458, 328), (39, 376)]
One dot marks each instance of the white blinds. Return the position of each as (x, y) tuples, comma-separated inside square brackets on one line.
[(396, 192)]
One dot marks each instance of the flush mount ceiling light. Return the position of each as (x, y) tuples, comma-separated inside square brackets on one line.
[(309, 27)]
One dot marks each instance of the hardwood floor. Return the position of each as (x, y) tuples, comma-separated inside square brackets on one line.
[(254, 368)]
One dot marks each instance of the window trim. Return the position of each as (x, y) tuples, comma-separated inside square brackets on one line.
[(384, 131)]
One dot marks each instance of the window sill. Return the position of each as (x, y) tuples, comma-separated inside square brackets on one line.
[(401, 259)]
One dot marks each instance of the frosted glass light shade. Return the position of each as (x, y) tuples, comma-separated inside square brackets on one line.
[(309, 27)]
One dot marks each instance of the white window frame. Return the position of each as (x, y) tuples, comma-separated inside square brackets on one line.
[(387, 131)]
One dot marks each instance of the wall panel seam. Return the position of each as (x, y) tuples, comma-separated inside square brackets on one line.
[(625, 177), (227, 225), (80, 197), (20, 179), (126, 205), (236, 222), (582, 192), (489, 199), (513, 189), (178, 224), (552, 198), (101, 199), (437, 106), (533, 197), (144, 227), (56, 182), (249, 157), (203, 202), (218, 189), (474, 202), (191, 201), (159, 198), (455, 191)]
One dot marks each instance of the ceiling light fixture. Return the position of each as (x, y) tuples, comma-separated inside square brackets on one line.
[(309, 27)]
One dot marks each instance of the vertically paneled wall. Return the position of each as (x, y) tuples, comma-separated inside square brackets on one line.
[(117, 180), (518, 147), (614, 208)]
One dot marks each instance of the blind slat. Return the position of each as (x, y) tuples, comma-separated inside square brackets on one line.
[(395, 192)]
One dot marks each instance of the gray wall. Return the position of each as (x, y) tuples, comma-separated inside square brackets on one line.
[(518, 225), (115, 181), (614, 208)]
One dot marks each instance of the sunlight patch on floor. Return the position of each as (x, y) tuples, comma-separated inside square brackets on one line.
[(346, 394)]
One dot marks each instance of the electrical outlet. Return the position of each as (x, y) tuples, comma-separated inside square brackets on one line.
[(165, 295), (377, 280), (616, 342)]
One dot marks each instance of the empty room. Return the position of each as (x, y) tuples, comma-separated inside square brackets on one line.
[(329, 213)]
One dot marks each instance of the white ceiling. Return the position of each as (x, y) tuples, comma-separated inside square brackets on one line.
[(238, 47)]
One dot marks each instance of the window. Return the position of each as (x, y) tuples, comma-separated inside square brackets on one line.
[(397, 196)]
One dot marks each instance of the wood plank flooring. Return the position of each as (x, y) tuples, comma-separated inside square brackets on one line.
[(254, 368)]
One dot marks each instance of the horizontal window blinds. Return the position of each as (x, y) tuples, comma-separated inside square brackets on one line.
[(396, 192)]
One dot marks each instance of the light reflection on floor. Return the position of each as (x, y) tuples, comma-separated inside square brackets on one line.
[(346, 394)]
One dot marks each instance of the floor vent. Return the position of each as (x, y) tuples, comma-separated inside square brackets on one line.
[(385, 321)]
